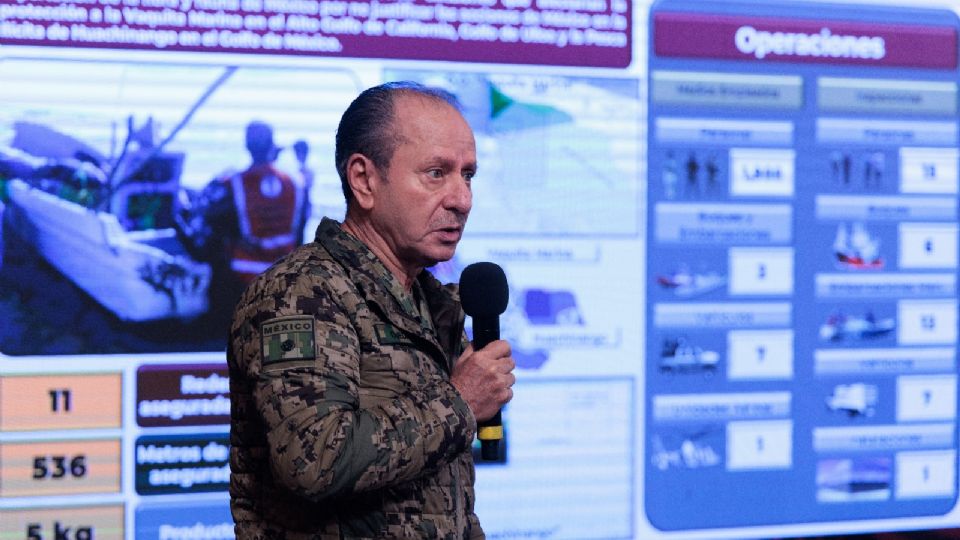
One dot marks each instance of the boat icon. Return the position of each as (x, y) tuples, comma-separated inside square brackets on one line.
[(856, 249), (685, 283), (840, 326)]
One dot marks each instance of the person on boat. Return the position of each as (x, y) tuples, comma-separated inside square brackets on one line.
[(241, 223), (301, 149), (266, 206)]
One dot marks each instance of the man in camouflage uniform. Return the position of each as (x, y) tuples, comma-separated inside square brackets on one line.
[(355, 395)]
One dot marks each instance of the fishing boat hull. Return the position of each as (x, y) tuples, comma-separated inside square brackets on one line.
[(139, 276)]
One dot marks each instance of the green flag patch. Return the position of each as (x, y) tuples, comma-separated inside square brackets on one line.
[(287, 339), (387, 334)]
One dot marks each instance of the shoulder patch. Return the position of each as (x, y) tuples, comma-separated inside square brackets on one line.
[(287, 339)]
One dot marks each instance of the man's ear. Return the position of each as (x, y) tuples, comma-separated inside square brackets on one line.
[(363, 177)]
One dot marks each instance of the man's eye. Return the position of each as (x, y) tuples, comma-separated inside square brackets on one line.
[(468, 176), (435, 173)]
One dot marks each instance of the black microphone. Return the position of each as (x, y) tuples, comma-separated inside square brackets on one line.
[(484, 295)]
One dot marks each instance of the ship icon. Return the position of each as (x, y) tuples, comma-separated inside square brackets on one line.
[(856, 249)]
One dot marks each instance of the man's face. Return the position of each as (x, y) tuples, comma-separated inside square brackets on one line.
[(423, 202)]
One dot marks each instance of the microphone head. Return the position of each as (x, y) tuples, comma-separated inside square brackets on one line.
[(483, 290)]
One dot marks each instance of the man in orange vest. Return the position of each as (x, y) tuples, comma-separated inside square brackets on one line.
[(240, 223)]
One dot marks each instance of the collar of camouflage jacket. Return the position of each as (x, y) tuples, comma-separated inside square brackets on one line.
[(382, 289)]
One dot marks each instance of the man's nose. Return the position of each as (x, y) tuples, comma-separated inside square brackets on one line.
[(460, 198)]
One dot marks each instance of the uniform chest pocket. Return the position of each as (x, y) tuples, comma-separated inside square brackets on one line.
[(402, 353)]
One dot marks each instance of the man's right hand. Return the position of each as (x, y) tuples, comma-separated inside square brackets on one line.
[(484, 378)]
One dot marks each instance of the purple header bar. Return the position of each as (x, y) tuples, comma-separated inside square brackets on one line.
[(550, 32)]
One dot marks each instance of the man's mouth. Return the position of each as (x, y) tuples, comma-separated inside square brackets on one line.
[(450, 234)]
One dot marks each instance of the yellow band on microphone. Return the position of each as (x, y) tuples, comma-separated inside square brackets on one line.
[(490, 433)]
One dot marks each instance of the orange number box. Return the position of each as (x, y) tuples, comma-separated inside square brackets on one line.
[(100, 522), (75, 401), (59, 467)]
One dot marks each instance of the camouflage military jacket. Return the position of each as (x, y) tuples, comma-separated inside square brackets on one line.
[(344, 422)]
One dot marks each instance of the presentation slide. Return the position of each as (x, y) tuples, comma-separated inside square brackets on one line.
[(801, 326), (729, 229)]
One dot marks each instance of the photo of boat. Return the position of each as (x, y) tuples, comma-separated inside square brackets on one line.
[(90, 220), (150, 274), (108, 223), (95, 257)]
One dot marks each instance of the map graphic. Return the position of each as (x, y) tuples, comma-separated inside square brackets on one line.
[(558, 155)]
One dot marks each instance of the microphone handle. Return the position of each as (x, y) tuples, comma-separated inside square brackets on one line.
[(490, 435), (490, 431)]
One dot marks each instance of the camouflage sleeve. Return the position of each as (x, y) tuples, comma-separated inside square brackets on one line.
[(476, 531), (322, 443)]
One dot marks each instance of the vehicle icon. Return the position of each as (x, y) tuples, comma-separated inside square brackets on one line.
[(678, 355), (857, 399), (840, 326)]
